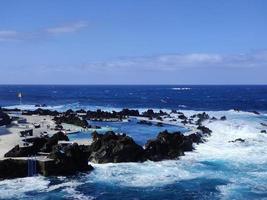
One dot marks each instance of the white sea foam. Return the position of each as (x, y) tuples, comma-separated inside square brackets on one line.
[(142, 174), (236, 159), (241, 164), (16, 188), (181, 88)]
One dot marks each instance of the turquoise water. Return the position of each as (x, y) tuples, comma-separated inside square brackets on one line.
[(139, 132)]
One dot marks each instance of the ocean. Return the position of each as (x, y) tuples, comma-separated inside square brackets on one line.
[(217, 169)]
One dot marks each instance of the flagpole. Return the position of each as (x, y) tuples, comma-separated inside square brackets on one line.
[(20, 97)]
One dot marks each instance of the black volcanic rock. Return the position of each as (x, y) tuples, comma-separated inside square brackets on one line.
[(255, 112), (151, 114), (71, 119), (113, 148), (32, 149), (263, 131), (128, 112), (223, 118), (204, 129), (145, 122), (68, 160), (41, 111), (201, 117), (36, 145), (169, 145), (182, 116), (4, 118), (52, 141), (238, 140)]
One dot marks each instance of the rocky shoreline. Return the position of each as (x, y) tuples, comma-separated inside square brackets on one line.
[(55, 155)]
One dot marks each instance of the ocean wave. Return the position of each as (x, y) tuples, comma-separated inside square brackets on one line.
[(181, 88), (18, 188)]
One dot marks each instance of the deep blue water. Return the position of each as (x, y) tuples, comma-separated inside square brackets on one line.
[(161, 96), (217, 169)]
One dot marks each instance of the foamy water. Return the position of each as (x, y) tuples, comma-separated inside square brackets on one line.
[(236, 170)]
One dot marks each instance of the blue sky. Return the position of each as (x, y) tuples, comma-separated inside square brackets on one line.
[(133, 42)]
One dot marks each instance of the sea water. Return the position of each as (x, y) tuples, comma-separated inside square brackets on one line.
[(217, 169)]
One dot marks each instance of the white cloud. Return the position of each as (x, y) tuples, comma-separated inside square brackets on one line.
[(6, 35), (12, 35), (68, 28), (172, 62)]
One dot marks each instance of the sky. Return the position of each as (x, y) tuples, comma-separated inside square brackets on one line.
[(133, 42)]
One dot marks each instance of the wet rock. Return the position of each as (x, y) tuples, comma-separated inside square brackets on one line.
[(68, 160), (168, 146), (35, 144), (159, 124), (151, 114), (263, 131), (223, 118), (159, 118), (4, 119), (182, 116), (255, 112), (113, 148), (40, 111), (72, 119), (201, 117), (184, 122), (145, 122), (81, 111), (204, 129), (128, 112), (238, 140), (52, 141)]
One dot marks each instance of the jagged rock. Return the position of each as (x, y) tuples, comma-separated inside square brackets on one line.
[(52, 141), (68, 159), (238, 140), (40, 111), (71, 119), (223, 118), (145, 122), (81, 111), (112, 148), (182, 116), (196, 138), (169, 146), (160, 124), (205, 130), (184, 122), (201, 117), (151, 114), (159, 118), (128, 112), (70, 112), (32, 149), (4, 119), (255, 112), (36, 145)]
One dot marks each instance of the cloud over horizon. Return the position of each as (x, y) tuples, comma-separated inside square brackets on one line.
[(173, 62), (13, 35)]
